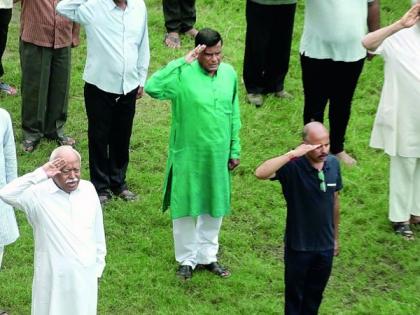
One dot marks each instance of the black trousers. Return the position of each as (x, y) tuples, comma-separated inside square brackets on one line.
[(306, 276), (110, 120), (325, 80), (267, 48), (179, 15), (5, 17)]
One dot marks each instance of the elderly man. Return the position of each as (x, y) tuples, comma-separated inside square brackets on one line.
[(66, 216), (269, 31), (8, 172), (311, 180), (397, 126), (45, 58), (332, 59), (115, 72), (204, 146)]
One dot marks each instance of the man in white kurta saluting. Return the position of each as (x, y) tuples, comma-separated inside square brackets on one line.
[(66, 217)]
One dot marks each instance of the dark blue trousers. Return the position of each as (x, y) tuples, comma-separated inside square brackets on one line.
[(306, 276)]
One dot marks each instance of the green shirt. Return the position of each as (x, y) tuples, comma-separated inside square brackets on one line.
[(274, 2), (204, 135)]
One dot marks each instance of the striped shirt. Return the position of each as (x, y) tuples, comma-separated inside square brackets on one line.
[(41, 26)]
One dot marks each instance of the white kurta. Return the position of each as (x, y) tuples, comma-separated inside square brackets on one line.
[(8, 172), (69, 243), (397, 125)]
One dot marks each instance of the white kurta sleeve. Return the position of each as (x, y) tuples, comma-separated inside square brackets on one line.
[(9, 152), (100, 241), (17, 193)]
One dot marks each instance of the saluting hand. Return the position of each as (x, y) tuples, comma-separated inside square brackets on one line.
[(53, 167), (304, 148), (193, 54), (411, 17)]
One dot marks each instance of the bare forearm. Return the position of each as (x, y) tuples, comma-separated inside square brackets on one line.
[(269, 168), (373, 40)]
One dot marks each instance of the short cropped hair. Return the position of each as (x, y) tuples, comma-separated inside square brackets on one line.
[(208, 37)]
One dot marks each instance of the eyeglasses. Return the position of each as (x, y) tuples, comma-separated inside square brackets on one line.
[(321, 177)]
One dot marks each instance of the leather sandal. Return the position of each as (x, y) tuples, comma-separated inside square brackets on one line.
[(403, 229), (29, 146)]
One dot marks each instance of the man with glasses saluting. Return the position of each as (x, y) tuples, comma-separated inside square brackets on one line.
[(311, 180)]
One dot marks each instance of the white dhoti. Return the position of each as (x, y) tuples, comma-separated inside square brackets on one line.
[(404, 188), (196, 239)]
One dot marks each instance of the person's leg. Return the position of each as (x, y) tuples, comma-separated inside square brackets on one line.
[(208, 229), (99, 113), (415, 203), (172, 15), (278, 51), (401, 184), (316, 281), (256, 46), (185, 241), (119, 140), (315, 79), (343, 84), (58, 93), (5, 17), (296, 265), (35, 63), (188, 16), (1, 254)]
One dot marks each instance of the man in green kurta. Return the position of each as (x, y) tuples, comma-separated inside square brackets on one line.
[(204, 146)]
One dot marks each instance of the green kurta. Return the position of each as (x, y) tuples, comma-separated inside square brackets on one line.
[(204, 135)]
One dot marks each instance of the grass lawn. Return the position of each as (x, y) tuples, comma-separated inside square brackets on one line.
[(376, 272)]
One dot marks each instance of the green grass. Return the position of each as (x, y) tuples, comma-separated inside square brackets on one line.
[(376, 272)]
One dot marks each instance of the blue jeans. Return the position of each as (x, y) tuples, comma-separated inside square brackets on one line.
[(306, 276)]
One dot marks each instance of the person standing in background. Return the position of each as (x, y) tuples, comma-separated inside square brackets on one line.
[(46, 40), (5, 17), (267, 48)]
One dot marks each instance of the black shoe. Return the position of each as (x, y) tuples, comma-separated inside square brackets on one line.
[(184, 272), (127, 195)]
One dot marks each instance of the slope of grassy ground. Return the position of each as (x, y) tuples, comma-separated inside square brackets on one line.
[(376, 272)]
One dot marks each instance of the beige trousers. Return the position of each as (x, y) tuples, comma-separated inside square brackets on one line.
[(404, 188)]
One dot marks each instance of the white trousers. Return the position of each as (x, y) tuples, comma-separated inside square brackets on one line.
[(196, 240), (1, 254), (404, 188)]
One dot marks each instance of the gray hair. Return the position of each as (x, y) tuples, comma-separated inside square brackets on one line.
[(57, 152)]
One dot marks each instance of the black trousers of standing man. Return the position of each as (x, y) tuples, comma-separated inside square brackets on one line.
[(5, 17), (110, 121), (306, 275), (267, 49), (334, 81), (179, 15)]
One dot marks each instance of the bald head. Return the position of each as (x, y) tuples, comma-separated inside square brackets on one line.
[(66, 152), (313, 128)]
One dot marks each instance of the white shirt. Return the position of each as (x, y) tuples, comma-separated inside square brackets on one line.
[(6, 4), (8, 171), (117, 42), (69, 242), (397, 124), (333, 29)]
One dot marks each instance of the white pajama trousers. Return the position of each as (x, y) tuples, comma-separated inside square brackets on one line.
[(404, 188), (196, 240), (1, 254)]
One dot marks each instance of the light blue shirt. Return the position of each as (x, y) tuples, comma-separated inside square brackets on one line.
[(117, 42), (333, 29)]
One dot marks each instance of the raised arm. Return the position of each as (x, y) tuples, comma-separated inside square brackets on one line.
[(269, 168), (164, 83), (373, 40), (76, 10)]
